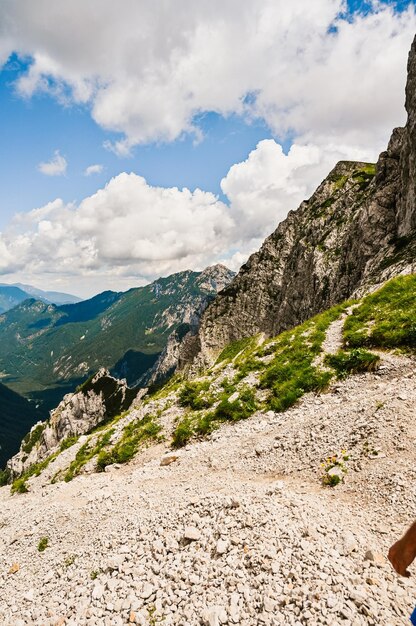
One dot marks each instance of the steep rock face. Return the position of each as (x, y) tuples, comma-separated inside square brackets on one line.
[(407, 203), (212, 280), (356, 230), (100, 398)]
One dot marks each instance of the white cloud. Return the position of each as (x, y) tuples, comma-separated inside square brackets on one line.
[(130, 231), (55, 167), (170, 61), (93, 169)]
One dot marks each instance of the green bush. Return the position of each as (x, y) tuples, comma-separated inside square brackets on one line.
[(241, 408), (352, 361), (43, 544), (191, 395), (32, 438), (182, 434)]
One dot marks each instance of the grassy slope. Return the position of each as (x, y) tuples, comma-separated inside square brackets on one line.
[(252, 375)]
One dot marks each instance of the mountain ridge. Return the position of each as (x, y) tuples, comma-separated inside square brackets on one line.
[(357, 230)]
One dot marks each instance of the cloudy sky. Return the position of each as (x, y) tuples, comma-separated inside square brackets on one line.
[(140, 138)]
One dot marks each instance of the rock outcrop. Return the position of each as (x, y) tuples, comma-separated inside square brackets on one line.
[(99, 398), (357, 230), (211, 281)]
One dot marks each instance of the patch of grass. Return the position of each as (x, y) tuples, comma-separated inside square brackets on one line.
[(33, 437), (86, 453), (352, 361), (203, 424), (134, 435), (385, 318), (43, 544), (182, 433), (241, 408), (234, 348), (19, 485), (192, 395), (68, 442), (291, 373)]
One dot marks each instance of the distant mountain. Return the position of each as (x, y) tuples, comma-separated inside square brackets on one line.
[(47, 350), (13, 294), (17, 415), (10, 296)]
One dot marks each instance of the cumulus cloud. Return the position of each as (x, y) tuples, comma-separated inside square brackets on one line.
[(55, 167), (301, 66), (130, 231), (93, 169)]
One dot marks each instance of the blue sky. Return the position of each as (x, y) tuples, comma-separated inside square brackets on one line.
[(59, 96)]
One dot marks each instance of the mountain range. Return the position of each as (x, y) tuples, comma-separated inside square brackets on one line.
[(47, 350), (11, 295)]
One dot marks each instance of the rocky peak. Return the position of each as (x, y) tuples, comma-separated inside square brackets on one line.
[(357, 230), (407, 202)]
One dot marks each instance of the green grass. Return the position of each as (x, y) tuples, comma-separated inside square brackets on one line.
[(86, 453), (68, 442), (43, 544), (192, 394), (5, 476), (134, 436), (19, 485), (203, 423), (291, 373), (33, 437), (386, 318), (183, 432), (234, 348), (352, 361)]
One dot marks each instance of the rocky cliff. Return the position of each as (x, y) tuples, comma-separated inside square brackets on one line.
[(100, 398), (357, 230)]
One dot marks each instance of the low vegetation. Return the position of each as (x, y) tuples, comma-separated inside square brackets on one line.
[(386, 318), (135, 434), (352, 361), (33, 437), (88, 451), (43, 544)]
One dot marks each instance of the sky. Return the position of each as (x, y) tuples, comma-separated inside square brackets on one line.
[(139, 138)]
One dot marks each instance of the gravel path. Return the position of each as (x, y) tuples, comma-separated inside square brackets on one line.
[(237, 530)]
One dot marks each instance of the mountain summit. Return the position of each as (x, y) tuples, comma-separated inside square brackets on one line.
[(357, 230)]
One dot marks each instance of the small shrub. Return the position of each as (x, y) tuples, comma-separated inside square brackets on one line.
[(182, 434), (352, 361), (19, 485), (339, 461), (68, 442), (32, 438), (94, 574), (5, 476), (43, 544), (190, 396)]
